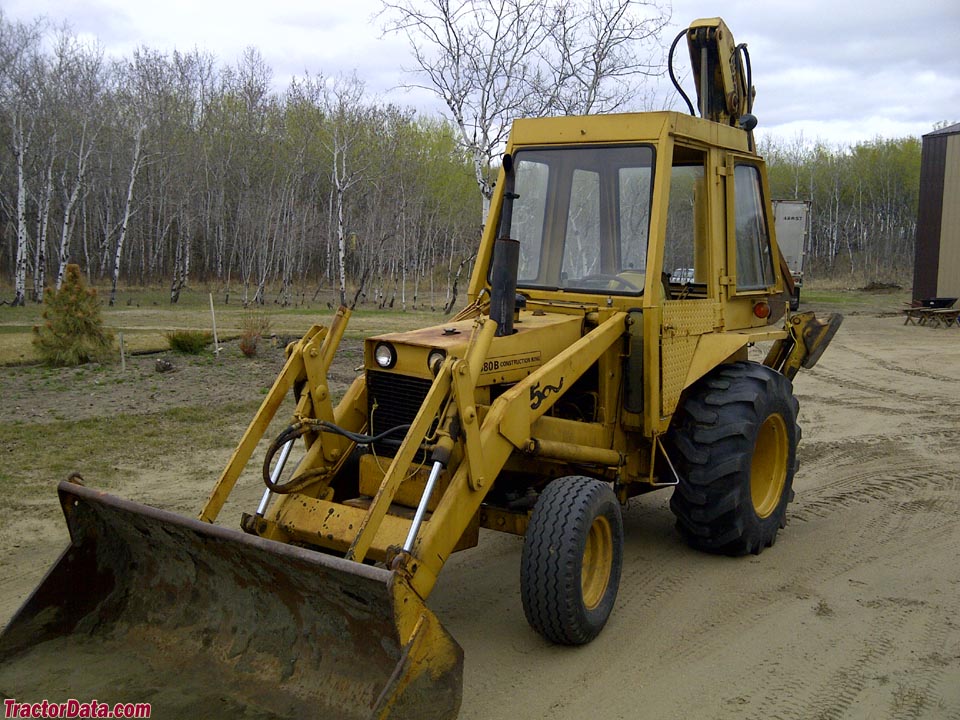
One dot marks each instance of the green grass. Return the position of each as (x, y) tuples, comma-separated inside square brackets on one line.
[(16, 343), (32, 457), (16, 348), (145, 316), (853, 300)]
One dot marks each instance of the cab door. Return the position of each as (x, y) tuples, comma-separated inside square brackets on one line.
[(751, 250), (690, 304)]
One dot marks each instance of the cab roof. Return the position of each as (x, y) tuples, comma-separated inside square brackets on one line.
[(643, 127)]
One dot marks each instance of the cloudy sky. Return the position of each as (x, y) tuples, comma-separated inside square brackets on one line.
[(833, 70)]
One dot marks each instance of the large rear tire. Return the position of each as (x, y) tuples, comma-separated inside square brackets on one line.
[(735, 443), (571, 561)]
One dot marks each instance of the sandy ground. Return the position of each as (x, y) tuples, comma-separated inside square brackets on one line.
[(854, 613)]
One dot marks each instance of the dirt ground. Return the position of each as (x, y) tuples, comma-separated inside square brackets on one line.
[(854, 613)]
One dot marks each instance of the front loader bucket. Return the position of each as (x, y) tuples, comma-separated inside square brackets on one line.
[(202, 621)]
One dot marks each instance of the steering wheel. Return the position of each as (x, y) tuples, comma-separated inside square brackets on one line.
[(597, 280)]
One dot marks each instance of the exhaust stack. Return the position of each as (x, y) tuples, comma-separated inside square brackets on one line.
[(506, 259)]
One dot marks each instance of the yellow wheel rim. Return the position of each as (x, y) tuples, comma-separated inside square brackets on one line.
[(597, 562), (768, 471)]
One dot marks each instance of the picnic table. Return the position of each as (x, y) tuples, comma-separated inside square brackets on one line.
[(933, 316), (947, 317)]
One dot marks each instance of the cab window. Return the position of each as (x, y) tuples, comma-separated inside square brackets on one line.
[(686, 217), (582, 217), (686, 249), (754, 256)]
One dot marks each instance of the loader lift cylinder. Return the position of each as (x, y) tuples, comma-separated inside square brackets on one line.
[(506, 259), (275, 478), (441, 457), (422, 507)]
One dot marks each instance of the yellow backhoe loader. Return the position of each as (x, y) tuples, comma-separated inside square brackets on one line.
[(628, 265)]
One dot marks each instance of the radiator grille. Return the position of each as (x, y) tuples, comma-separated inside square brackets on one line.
[(393, 400)]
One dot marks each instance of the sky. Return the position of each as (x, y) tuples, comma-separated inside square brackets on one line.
[(835, 71)]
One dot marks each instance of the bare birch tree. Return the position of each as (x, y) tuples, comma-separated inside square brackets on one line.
[(599, 54), (344, 128), (135, 163), (71, 184), (491, 61), (44, 202), (476, 55), (73, 83), (22, 70)]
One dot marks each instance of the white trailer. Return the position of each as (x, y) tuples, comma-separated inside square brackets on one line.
[(792, 221)]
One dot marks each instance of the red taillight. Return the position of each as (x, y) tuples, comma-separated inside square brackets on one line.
[(761, 310)]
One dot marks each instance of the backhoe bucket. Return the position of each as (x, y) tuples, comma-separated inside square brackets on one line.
[(202, 621)]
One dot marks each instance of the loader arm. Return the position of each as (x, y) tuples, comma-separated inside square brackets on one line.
[(506, 428), (308, 361), (436, 400)]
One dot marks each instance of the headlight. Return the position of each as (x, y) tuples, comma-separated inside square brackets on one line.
[(385, 356), (435, 360)]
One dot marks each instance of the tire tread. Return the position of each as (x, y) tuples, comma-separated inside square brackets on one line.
[(712, 503), (551, 558)]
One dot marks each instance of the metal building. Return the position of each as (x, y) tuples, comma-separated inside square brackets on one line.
[(936, 268)]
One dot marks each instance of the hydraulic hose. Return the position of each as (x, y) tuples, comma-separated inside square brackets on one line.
[(673, 77), (300, 428), (742, 49)]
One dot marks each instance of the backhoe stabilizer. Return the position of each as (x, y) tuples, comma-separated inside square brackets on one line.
[(200, 620), (807, 339)]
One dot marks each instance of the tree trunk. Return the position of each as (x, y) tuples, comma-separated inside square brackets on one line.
[(341, 246), (23, 238), (66, 230), (134, 169), (43, 223), (453, 286)]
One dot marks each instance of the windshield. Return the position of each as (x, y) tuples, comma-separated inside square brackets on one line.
[(582, 218)]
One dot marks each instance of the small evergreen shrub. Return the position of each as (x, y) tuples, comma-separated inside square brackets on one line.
[(188, 342), (73, 331)]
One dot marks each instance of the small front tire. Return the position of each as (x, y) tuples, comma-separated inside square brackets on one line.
[(571, 561)]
